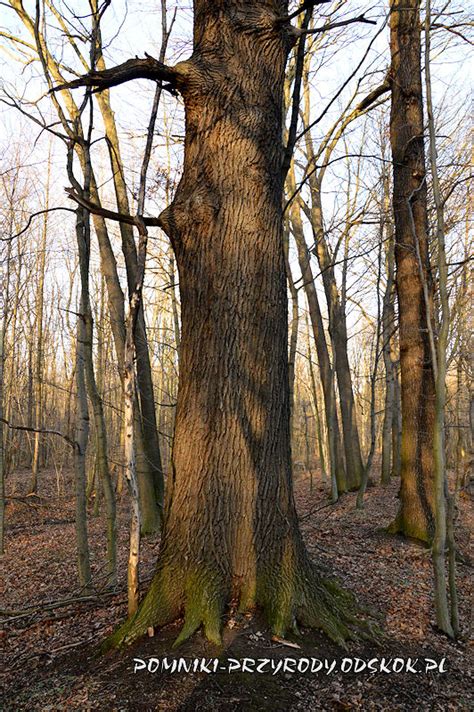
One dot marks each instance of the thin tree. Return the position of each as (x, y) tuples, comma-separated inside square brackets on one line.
[(4, 289), (446, 619), (39, 366), (147, 447)]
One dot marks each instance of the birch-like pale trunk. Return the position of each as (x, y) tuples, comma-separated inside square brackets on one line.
[(81, 441), (4, 290), (293, 326), (133, 586), (38, 371)]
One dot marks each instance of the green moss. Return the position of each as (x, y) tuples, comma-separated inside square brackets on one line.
[(289, 593), (204, 593), (411, 530), (298, 594), (161, 605)]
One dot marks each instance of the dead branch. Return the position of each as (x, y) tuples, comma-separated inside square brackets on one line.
[(111, 214), (43, 431), (148, 68)]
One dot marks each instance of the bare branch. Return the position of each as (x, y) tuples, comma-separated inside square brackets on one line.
[(306, 5), (43, 431), (33, 215), (148, 68), (111, 214), (346, 82), (299, 66), (333, 25)]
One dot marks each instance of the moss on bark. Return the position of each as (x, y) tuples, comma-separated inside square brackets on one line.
[(411, 528), (289, 594)]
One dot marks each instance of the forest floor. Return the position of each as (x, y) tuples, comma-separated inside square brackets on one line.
[(50, 661)]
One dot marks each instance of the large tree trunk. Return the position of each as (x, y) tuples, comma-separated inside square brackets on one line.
[(415, 516), (231, 529)]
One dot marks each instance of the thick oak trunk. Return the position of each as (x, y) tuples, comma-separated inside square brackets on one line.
[(231, 530), (415, 516)]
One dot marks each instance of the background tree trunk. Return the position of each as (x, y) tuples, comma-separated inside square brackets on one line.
[(415, 516), (326, 371), (446, 619), (294, 328), (338, 334), (4, 297), (148, 460), (38, 377), (389, 359), (82, 429)]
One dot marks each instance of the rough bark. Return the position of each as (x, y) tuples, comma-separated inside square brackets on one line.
[(415, 515), (231, 529)]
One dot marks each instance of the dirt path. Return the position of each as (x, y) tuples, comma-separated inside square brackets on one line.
[(49, 653)]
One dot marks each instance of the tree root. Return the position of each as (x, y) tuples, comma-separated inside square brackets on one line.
[(288, 596), (419, 533)]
